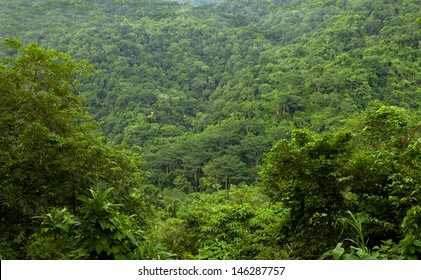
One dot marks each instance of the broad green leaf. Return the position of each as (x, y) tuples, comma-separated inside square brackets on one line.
[(64, 227), (99, 248), (412, 250), (338, 252)]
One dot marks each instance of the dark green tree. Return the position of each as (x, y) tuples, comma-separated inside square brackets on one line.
[(50, 151), (101, 231), (306, 175)]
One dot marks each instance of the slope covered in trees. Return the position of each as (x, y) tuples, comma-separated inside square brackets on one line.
[(201, 93)]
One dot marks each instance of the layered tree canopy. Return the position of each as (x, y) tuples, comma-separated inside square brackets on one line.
[(50, 150), (145, 129)]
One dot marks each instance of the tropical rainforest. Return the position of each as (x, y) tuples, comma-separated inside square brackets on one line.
[(236, 129)]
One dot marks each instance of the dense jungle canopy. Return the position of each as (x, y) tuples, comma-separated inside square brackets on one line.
[(236, 129)]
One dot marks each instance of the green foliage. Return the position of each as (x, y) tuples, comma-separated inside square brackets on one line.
[(359, 251), (242, 225), (320, 178), (408, 247), (50, 152), (305, 174), (356, 225), (356, 254), (411, 243), (168, 70), (201, 91), (382, 170), (222, 169), (40, 120), (55, 238), (100, 232), (108, 234), (151, 251), (182, 183)]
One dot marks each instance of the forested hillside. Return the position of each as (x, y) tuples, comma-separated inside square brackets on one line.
[(237, 129)]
